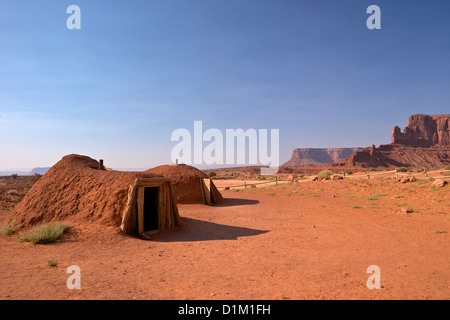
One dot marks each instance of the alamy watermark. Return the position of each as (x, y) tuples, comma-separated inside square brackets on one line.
[(235, 147), (74, 281), (74, 20), (374, 281)]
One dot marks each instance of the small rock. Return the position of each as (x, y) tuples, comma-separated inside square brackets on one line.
[(404, 180), (412, 179), (439, 183)]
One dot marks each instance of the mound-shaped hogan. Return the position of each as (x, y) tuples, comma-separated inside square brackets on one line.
[(77, 190), (191, 184)]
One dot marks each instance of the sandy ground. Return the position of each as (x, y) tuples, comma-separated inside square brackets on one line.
[(310, 240)]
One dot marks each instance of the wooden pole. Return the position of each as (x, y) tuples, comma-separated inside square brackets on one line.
[(396, 174), (141, 209)]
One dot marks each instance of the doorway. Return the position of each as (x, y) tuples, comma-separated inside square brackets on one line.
[(147, 207), (151, 208)]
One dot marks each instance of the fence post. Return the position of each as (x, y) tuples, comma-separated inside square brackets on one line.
[(245, 184), (426, 172), (276, 180), (396, 174), (368, 176)]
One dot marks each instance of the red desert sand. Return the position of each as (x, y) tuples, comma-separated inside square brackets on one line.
[(311, 240)]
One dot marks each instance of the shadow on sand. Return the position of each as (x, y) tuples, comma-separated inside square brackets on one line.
[(198, 230), (230, 202)]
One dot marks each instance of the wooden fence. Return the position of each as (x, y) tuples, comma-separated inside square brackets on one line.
[(397, 173), (368, 175)]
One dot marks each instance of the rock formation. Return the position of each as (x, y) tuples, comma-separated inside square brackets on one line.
[(306, 156), (425, 142), (424, 131)]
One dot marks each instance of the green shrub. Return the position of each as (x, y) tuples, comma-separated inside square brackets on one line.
[(212, 174), (324, 174), (348, 172), (13, 192), (36, 177), (14, 176), (10, 228), (52, 263), (46, 233), (402, 169)]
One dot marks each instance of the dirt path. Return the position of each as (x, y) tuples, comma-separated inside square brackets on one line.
[(306, 241)]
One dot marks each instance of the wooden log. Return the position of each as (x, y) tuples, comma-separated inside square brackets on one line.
[(140, 209), (174, 205), (126, 226)]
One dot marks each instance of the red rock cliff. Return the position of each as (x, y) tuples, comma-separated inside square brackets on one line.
[(424, 131)]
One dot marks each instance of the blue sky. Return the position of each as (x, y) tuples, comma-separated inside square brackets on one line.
[(138, 70)]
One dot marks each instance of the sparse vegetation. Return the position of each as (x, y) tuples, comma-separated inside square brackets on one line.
[(13, 192), (46, 233), (10, 228), (36, 177), (324, 174), (52, 263), (440, 232)]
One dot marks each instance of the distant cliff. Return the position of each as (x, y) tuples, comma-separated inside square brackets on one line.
[(40, 170), (424, 131), (308, 156), (424, 142)]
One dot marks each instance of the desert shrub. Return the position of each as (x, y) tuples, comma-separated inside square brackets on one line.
[(52, 263), (13, 192), (212, 174), (14, 176), (348, 172), (46, 233), (324, 174), (402, 169), (10, 228), (36, 177)]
